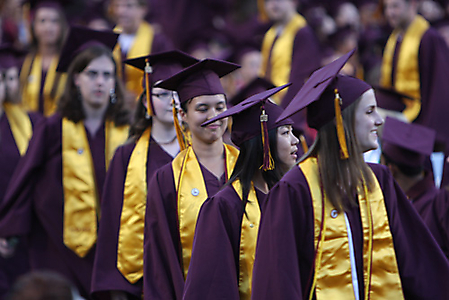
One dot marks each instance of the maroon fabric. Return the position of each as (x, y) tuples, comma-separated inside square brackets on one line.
[(11, 268), (34, 206), (440, 223), (424, 196), (214, 268), (163, 274), (106, 277), (202, 78), (285, 250), (257, 85), (390, 99)]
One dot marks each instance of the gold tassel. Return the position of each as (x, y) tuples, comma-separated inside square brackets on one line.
[(148, 71), (340, 129), (179, 133), (304, 146)]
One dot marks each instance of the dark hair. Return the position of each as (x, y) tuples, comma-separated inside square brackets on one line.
[(140, 122), (41, 285), (70, 105), (409, 171), (249, 161), (341, 178)]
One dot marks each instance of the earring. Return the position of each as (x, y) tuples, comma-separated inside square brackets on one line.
[(113, 96)]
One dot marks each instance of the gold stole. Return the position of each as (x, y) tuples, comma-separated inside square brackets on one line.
[(141, 46), (31, 85), (407, 69), (132, 220), (81, 205), (281, 55), (248, 240), (191, 192), (20, 124), (332, 264)]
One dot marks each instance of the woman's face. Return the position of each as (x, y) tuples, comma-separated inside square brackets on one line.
[(287, 146), (96, 81), (201, 109), (162, 103), (47, 26), (367, 122)]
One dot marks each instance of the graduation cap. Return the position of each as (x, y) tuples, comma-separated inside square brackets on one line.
[(158, 67), (81, 38), (252, 117), (10, 57), (325, 95), (406, 143), (257, 85), (390, 99), (202, 78)]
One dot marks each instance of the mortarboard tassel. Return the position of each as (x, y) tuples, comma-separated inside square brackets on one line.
[(340, 129), (304, 146), (262, 12), (148, 71), (268, 162), (179, 133)]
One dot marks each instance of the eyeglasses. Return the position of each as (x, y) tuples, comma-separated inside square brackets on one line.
[(164, 96), (93, 74)]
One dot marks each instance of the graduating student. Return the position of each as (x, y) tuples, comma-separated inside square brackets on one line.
[(41, 85), (53, 197), (179, 189), (16, 129), (405, 148), (118, 266), (336, 227), (137, 38), (226, 231)]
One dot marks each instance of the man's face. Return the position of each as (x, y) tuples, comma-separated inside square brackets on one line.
[(278, 10), (397, 12)]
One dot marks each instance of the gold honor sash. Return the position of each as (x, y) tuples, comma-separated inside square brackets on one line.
[(20, 124), (281, 55), (248, 240), (407, 69), (80, 192), (141, 46), (332, 276), (191, 193), (31, 85), (132, 220)]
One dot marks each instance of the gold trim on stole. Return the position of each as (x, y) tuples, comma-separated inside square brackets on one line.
[(281, 55), (141, 46), (248, 240), (132, 220), (31, 85), (80, 191), (191, 192), (20, 125), (332, 266), (407, 78)]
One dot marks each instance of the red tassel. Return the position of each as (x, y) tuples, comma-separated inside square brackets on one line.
[(148, 71)]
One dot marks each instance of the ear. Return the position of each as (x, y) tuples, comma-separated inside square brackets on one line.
[(76, 79), (183, 115)]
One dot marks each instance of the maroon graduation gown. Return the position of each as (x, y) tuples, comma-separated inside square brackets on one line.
[(163, 273), (285, 250), (34, 204), (214, 267), (11, 268), (106, 277)]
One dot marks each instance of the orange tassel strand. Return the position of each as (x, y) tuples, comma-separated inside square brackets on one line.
[(148, 71), (340, 129), (268, 162)]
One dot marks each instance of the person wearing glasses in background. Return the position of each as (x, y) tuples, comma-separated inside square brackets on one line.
[(118, 267)]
